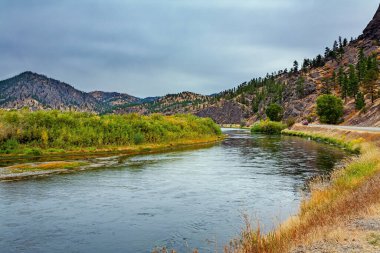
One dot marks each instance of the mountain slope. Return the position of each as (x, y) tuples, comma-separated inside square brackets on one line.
[(40, 92), (296, 90), (114, 98)]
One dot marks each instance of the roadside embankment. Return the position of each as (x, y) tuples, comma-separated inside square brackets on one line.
[(345, 205)]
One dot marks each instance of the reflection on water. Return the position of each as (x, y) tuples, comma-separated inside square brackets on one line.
[(182, 199)]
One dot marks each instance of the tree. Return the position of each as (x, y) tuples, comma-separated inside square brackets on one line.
[(329, 109), (359, 101), (295, 66), (353, 82), (370, 83), (300, 87), (327, 52), (274, 112), (335, 46), (345, 42), (319, 61)]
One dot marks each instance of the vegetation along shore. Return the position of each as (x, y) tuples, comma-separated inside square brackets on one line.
[(342, 212), (51, 133)]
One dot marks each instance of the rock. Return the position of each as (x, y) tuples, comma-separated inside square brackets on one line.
[(372, 31)]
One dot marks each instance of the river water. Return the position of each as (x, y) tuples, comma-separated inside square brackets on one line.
[(182, 200)]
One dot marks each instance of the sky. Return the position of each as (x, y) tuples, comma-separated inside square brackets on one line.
[(155, 47)]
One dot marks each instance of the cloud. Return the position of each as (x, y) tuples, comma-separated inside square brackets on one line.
[(149, 48)]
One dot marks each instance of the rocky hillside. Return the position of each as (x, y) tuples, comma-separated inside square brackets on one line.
[(40, 92), (114, 98), (184, 102), (296, 89), (348, 70)]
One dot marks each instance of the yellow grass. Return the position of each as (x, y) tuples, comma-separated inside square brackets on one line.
[(351, 190), (44, 166)]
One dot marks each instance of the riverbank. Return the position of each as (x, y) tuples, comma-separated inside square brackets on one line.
[(349, 195), (81, 162)]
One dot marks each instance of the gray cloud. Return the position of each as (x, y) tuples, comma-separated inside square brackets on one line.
[(149, 48)]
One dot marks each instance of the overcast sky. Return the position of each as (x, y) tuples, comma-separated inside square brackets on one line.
[(155, 47)]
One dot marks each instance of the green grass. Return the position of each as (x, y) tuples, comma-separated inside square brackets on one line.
[(350, 146), (374, 239), (44, 132), (268, 127)]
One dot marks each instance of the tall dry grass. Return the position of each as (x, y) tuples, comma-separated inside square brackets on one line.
[(350, 190)]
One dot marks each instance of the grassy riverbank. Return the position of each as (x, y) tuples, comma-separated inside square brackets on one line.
[(25, 133), (349, 191)]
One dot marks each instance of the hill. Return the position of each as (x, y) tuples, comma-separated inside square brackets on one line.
[(38, 92)]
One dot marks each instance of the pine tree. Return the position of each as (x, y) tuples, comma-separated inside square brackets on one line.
[(295, 66), (359, 101), (327, 52), (353, 84), (345, 42), (335, 46), (300, 87), (370, 83)]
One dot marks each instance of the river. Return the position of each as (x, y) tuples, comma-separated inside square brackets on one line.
[(182, 200)]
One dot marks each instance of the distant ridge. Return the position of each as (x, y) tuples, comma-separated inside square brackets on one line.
[(37, 92)]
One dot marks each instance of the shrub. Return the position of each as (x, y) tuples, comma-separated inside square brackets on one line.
[(10, 144), (274, 112), (268, 127), (329, 109)]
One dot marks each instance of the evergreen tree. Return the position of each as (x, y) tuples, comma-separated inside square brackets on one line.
[(370, 83), (335, 46), (359, 101), (300, 87), (319, 61), (345, 42), (353, 84), (295, 66), (327, 52)]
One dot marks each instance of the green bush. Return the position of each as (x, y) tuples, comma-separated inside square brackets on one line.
[(33, 151), (274, 112), (10, 144), (329, 109), (268, 127)]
